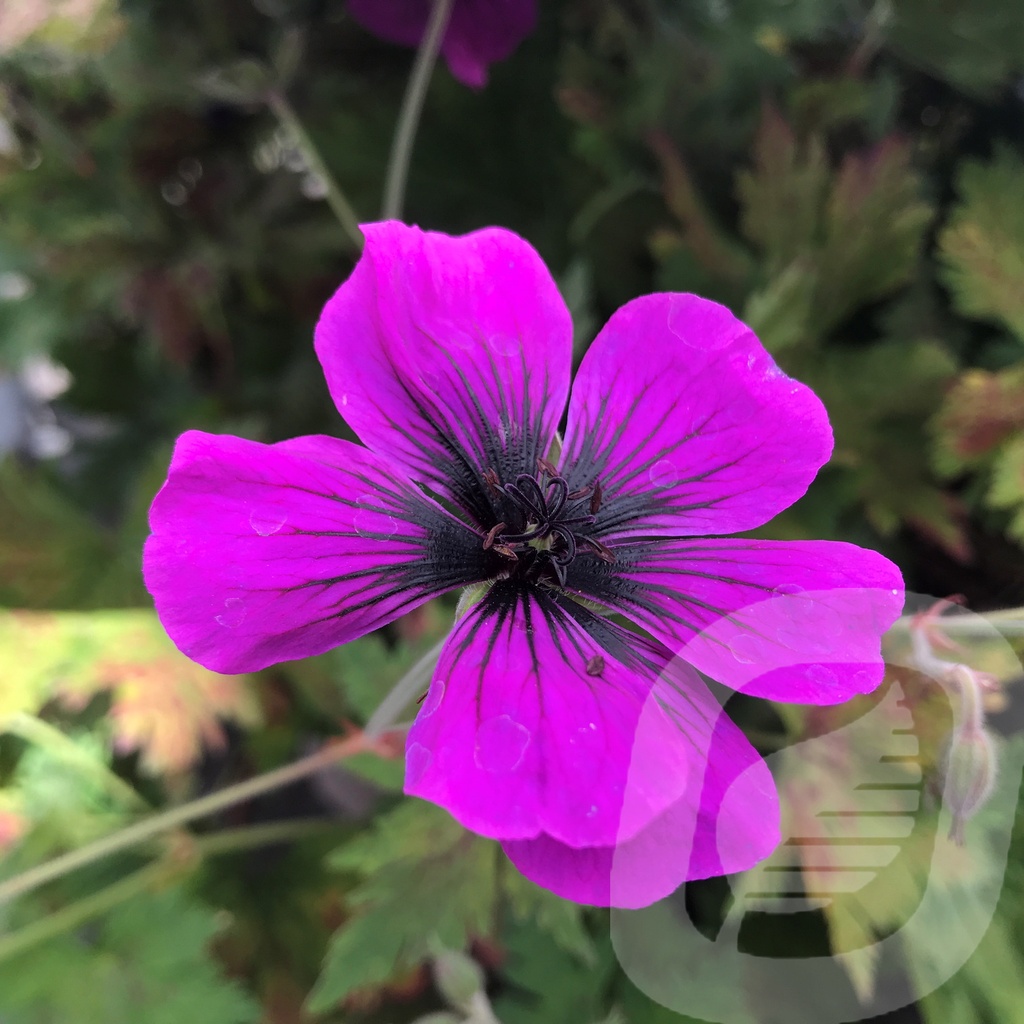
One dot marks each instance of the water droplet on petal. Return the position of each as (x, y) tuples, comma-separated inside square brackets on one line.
[(864, 680), (370, 520), (431, 381), (433, 699), (501, 743), (746, 649), (788, 590), (267, 522), (417, 761), (506, 344), (664, 474), (822, 675), (233, 614), (343, 400)]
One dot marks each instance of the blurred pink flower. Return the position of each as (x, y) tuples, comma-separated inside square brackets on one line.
[(479, 32)]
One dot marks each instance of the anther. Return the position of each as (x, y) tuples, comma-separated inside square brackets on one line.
[(506, 552), (595, 498), (546, 467), (595, 666), (602, 551), (493, 481), (492, 534)]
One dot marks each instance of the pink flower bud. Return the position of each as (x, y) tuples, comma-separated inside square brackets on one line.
[(969, 776)]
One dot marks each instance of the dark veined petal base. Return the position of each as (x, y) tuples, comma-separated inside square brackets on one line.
[(551, 728)]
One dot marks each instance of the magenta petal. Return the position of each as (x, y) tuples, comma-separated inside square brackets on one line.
[(531, 726), (479, 32), (261, 553), (450, 356), (725, 821), (788, 620), (687, 424)]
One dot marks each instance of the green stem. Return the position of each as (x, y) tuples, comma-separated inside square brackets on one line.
[(238, 840), (83, 910), (44, 735), (343, 210), (403, 693), (412, 107), (138, 833), (233, 840)]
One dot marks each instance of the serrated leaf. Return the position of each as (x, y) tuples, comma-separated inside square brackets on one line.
[(830, 241), (982, 246), (560, 919), (163, 705), (426, 880), (873, 226), (1007, 489), (783, 196), (979, 413), (148, 960)]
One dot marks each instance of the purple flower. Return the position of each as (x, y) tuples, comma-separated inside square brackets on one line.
[(601, 762), (479, 32)]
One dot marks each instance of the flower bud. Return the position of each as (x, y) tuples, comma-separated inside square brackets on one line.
[(969, 776), (459, 978)]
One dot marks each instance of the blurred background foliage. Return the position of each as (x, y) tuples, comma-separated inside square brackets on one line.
[(847, 176)]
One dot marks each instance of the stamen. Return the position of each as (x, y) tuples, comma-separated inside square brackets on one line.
[(602, 551), (493, 481), (557, 503), (546, 467), (595, 498), (492, 534), (583, 492), (595, 666), (506, 552)]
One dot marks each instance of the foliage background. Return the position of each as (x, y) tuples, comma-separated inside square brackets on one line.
[(847, 176)]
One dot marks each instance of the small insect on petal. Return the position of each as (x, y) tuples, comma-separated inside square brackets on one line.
[(595, 666), (492, 534)]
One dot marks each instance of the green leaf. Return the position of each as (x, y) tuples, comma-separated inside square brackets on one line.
[(560, 919), (146, 961), (973, 44), (783, 196), (873, 228), (425, 881), (164, 705), (979, 413), (830, 241), (1008, 485), (983, 244)]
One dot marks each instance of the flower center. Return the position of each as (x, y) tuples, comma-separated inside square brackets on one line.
[(543, 539)]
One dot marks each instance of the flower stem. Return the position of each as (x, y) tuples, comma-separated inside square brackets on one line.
[(412, 107), (77, 913), (146, 829), (403, 692), (160, 872), (342, 208)]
